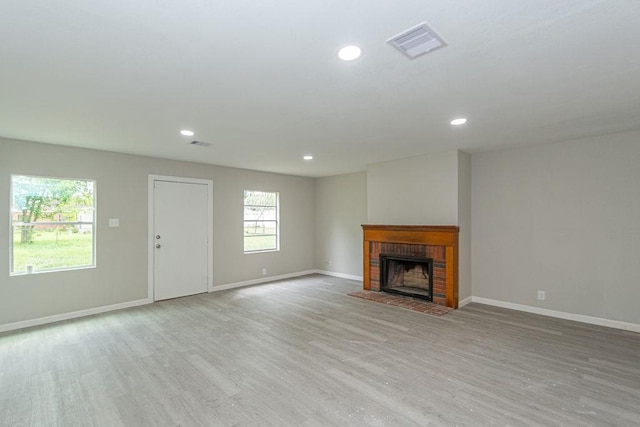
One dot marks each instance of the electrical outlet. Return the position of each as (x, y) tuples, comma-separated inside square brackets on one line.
[(541, 295), (264, 271)]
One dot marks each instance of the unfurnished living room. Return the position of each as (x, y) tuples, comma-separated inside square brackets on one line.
[(313, 213)]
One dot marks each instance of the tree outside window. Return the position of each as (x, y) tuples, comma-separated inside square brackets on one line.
[(53, 224)]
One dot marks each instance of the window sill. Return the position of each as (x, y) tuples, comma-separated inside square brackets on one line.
[(261, 252), (56, 270)]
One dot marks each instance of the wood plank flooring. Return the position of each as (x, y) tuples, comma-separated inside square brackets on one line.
[(301, 352)]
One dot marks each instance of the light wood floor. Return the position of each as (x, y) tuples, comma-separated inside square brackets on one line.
[(301, 352)]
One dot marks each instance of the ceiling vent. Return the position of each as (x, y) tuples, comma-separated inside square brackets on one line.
[(201, 143), (417, 41)]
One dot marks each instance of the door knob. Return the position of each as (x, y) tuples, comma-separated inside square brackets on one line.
[(158, 246)]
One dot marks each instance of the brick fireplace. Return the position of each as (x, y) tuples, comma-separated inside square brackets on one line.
[(437, 243)]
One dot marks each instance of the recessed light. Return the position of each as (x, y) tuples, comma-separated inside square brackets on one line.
[(308, 157), (349, 53), (459, 121), (186, 132)]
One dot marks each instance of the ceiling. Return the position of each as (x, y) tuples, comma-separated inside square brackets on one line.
[(261, 82)]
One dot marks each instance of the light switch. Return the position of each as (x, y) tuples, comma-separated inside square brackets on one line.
[(114, 222)]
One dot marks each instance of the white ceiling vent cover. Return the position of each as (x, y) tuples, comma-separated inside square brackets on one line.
[(417, 41), (201, 143)]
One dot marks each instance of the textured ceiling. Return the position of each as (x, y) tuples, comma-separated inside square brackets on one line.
[(260, 79)]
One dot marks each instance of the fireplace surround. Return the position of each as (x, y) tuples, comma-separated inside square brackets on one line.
[(440, 243)]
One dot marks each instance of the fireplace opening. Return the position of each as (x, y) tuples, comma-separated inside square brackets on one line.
[(407, 275)]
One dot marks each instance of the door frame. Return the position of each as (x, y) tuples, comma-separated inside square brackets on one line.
[(150, 221)]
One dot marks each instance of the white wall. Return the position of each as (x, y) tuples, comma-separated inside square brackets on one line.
[(563, 218), (121, 272), (464, 222), (341, 209), (416, 190)]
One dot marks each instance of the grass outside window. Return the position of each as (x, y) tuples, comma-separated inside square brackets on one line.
[(53, 249)]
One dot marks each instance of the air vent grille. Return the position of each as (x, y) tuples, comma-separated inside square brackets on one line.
[(417, 41), (201, 143)]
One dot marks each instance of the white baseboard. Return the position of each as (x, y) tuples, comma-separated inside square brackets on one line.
[(340, 275), (464, 302), (560, 314), (261, 280), (97, 310), (72, 315), (520, 307)]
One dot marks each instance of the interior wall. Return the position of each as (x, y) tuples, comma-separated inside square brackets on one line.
[(341, 209), (121, 272), (432, 189), (562, 218), (415, 190), (464, 222)]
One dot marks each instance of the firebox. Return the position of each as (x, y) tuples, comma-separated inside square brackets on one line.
[(407, 275)]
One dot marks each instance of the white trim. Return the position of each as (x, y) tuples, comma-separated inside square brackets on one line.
[(282, 277), (464, 302), (103, 309), (633, 327), (262, 280), (340, 275), (560, 314), (72, 315), (150, 240)]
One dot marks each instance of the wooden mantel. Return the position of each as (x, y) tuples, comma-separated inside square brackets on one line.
[(440, 238)]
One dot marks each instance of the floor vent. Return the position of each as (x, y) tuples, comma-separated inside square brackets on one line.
[(417, 41)]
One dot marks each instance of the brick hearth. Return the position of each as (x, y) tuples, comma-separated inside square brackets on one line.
[(404, 302)]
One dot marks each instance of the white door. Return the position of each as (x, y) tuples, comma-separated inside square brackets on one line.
[(180, 239)]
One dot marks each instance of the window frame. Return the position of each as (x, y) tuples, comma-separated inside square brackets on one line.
[(276, 220), (12, 225)]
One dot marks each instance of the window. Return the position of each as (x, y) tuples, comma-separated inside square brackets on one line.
[(261, 226), (52, 224)]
